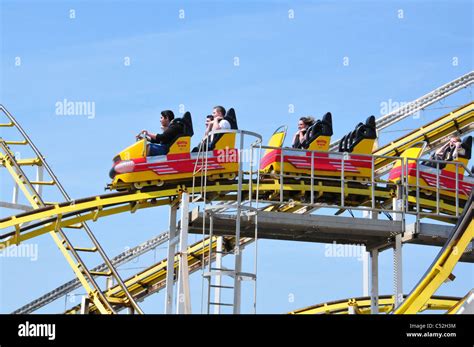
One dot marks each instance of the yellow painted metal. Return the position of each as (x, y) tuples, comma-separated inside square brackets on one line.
[(136, 150), (363, 305), (455, 308), (143, 200), (442, 267), (413, 152), (21, 142), (226, 141), (445, 206), (321, 143), (37, 204), (155, 276), (77, 219), (276, 140), (106, 205), (180, 146), (366, 146), (459, 119)]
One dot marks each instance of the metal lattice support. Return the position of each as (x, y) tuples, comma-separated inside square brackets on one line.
[(70, 252), (68, 287)]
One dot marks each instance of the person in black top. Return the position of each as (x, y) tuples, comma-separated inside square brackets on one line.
[(303, 125), (160, 143)]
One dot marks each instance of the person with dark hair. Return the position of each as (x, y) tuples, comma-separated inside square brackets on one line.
[(160, 143), (303, 124), (218, 122), (209, 119)]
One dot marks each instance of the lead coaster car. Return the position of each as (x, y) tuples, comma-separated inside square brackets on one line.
[(133, 169)]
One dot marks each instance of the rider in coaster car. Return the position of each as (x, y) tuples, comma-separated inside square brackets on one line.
[(214, 121), (303, 124), (218, 122), (160, 143), (450, 151)]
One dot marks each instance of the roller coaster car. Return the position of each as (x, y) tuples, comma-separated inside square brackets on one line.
[(132, 168), (428, 176), (359, 141)]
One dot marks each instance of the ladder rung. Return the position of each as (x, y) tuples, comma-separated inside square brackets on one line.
[(100, 273), (6, 125), (33, 161), (74, 226), (225, 287), (24, 142), (229, 273), (220, 304), (114, 300), (43, 183), (85, 249)]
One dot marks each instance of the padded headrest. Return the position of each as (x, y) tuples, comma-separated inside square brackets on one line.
[(315, 128), (327, 118), (327, 124), (370, 122), (231, 118), (467, 145), (188, 124)]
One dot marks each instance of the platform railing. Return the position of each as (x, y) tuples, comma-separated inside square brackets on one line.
[(420, 188), (401, 190)]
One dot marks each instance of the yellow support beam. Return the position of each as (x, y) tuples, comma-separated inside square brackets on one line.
[(455, 308), (363, 305), (105, 205), (444, 264), (155, 276), (461, 119)]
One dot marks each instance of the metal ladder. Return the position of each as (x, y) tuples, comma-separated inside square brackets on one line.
[(32, 190), (216, 272)]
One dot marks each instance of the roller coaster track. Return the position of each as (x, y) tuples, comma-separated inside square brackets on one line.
[(460, 305), (78, 211), (361, 305), (68, 287), (153, 279), (459, 121), (69, 215), (420, 103), (32, 191), (444, 263), (96, 207)]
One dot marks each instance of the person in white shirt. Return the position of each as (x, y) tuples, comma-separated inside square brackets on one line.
[(218, 123)]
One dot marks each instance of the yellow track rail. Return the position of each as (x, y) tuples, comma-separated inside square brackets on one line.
[(444, 263), (153, 279), (460, 120), (455, 308), (362, 305), (67, 214)]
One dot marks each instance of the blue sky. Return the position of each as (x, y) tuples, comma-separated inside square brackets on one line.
[(396, 50)]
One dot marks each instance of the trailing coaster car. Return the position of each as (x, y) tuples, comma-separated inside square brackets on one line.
[(132, 168), (357, 142), (431, 175)]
